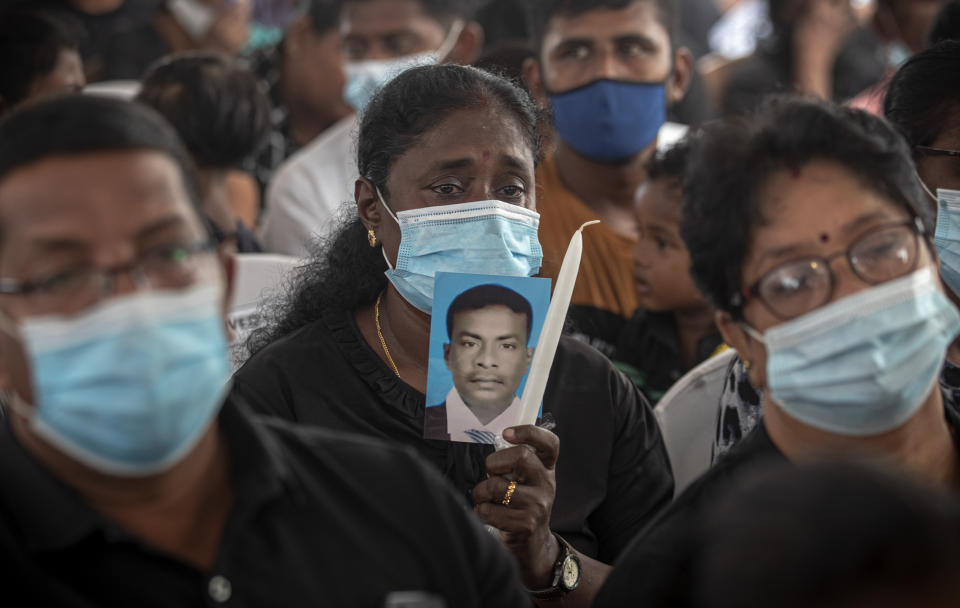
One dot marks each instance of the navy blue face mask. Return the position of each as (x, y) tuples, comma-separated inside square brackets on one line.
[(609, 121)]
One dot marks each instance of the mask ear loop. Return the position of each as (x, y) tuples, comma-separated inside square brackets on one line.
[(389, 211), (927, 190), (753, 333), (9, 326), (10, 401), (443, 51), (387, 207)]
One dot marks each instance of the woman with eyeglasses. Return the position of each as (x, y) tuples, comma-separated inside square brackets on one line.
[(923, 102), (820, 262)]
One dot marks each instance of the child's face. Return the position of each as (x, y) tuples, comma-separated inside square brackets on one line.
[(661, 263)]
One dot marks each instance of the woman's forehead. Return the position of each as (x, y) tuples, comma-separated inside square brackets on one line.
[(819, 199), (486, 122), (477, 132), (949, 136)]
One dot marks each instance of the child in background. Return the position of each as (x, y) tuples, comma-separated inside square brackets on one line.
[(673, 329)]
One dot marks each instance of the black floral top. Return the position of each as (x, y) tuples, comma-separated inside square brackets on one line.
[(265, 63), (740, 410)]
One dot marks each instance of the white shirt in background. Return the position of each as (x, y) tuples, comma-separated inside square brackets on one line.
[(736, 34), (306, 194)]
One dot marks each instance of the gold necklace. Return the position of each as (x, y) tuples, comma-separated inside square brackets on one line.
[(383, 343)]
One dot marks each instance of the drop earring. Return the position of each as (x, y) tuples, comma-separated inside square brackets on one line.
[(372, 237)]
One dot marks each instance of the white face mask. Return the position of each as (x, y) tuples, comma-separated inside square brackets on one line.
[(366, 78), (195, 17)]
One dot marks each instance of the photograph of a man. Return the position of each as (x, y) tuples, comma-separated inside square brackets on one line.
[(488, 354)]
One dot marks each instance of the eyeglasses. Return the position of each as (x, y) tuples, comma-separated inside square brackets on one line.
[(928, 151), (166, 267), (795, 288)]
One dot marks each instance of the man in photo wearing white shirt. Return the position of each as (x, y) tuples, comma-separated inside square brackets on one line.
[(488, 356)]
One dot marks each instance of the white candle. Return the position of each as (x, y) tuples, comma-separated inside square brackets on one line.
[(552, 329)]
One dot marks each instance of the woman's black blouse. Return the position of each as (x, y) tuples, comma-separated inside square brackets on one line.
[(613, 474)]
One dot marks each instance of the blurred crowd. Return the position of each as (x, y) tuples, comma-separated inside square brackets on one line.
[(756, 397)]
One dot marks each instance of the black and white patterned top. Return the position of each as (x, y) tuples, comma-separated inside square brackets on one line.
[(740, 403), (739, 411), (265, 63)]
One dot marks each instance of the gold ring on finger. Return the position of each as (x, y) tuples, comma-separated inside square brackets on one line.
[(511, 488)]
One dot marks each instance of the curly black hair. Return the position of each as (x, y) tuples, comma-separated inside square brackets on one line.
[(345, 273), (731, 162)]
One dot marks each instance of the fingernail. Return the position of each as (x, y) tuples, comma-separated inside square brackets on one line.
[(509, 434)]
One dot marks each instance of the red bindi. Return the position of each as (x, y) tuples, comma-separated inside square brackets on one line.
[(824, 238)]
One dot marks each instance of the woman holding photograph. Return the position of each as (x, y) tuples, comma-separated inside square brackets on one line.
[(349, 347)]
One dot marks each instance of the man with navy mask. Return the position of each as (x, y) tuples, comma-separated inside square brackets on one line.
[(125, 476), (381, 38), (608, 69)]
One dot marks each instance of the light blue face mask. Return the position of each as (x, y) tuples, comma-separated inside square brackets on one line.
[(365, 78), (865, 364), (483, 237), (947, 237), (129, 387)]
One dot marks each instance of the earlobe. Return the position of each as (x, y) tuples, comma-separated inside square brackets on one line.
[(365, 195), (14, 368), (6, 386), (679, 80), (733, 334), (533, 80), (469, 44), (292, 42), (752, 353), (228, 262)]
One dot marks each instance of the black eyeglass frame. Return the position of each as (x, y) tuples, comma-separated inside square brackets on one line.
[(14, 287), (930, 151), (752, 292)]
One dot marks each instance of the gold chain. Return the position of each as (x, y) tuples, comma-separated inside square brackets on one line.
[(383, 343)]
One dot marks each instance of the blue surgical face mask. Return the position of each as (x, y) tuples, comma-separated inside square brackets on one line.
[(483, 237), (365, 78), (610, 121), (947, 237), (129, 387), (865, 364)]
